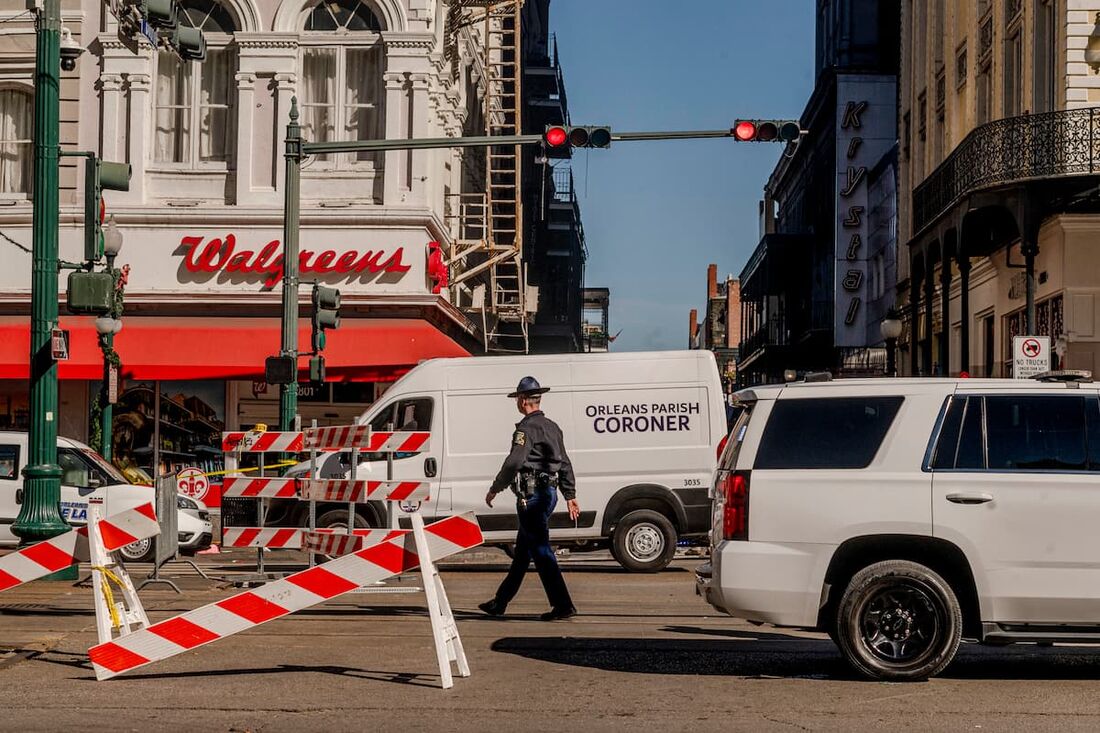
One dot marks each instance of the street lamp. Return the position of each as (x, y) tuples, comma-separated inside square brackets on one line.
[(112, 240), (107, 326), (890, 327)]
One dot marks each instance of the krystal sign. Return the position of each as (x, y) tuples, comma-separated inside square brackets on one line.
[(227, 260)]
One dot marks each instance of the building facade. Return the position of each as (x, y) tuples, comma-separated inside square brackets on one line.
[(998, 178), (202, 220), (822, 276), (720, 329)]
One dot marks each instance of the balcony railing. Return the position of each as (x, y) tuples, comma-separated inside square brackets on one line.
[(1012, 150)]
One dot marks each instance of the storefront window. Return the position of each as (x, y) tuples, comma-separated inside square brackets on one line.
[(15, 406), (192, 418)]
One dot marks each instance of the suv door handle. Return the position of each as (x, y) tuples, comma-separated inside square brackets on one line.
[(970, 498), (430, 467)]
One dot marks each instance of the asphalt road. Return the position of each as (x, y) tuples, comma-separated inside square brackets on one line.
[(644, 655)]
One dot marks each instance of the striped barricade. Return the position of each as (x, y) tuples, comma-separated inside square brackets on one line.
[(262, 442), (293, 593), (361, 437), (359, 491), (274, 538), (268, 488), (325, 542), (58, 553)]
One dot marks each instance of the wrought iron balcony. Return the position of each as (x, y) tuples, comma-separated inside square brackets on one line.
[(1012, 150)]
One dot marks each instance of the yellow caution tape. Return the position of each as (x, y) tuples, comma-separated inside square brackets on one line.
[(280, 464), (108, 577)]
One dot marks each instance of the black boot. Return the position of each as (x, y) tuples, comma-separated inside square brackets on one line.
[(493, 607), (556, 614)]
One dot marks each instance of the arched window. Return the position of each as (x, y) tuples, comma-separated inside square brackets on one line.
[(194, 101), (341, 90), (16, 140)]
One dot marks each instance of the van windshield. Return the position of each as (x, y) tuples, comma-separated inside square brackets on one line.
[(113, 473)]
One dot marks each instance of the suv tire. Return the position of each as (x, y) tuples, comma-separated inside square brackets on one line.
[(141, 551), (898, 621), (644, 541)]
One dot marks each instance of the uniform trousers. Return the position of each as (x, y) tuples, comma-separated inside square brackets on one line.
[(533, 543)]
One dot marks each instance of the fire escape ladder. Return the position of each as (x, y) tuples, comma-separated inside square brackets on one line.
[(503, 116)]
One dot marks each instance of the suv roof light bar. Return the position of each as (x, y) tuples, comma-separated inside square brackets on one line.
[(818, 377), (1064, 375)]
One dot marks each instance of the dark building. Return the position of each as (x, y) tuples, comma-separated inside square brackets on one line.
[(554, 246), (814, 291)]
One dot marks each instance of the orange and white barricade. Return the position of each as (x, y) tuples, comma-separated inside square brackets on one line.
[(243, 611), (92, 543), (419, 542)]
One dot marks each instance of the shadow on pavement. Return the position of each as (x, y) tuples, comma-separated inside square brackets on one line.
[(759, 654), (36, 609), (412, 679)]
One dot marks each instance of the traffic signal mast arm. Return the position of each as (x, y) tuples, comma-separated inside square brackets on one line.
[(475, 142)]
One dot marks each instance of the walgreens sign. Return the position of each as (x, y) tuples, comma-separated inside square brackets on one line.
[(221, 254)]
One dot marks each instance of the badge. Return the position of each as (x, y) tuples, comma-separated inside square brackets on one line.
[(520, 438)]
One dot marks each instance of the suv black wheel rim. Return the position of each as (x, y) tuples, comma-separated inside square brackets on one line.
[(900, 623)]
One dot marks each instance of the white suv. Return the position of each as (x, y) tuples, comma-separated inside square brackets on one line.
[(901, 515), (85, 473)]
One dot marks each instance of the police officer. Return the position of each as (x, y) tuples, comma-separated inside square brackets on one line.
[(536, 467)]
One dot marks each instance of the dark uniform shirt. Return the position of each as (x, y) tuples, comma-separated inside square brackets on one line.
[(538, 445)]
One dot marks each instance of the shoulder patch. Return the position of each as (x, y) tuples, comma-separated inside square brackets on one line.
[(520, 438)]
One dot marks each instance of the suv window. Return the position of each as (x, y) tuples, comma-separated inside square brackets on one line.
[(1021, 433), (9, 462), (1030, 432), (823, 433), (960, 443)]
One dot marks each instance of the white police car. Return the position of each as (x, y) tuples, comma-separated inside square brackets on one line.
[(85, 474)]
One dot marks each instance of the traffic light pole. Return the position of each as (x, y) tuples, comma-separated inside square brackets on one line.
[(40, 511), (288, 393)]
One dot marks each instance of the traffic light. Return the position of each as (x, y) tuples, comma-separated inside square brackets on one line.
[(589, 136), (189, 43), (100, 175), (317, 369), (326, 314), (162, 15), (766, 131)]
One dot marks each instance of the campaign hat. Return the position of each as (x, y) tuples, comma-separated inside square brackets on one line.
[(529, 386)]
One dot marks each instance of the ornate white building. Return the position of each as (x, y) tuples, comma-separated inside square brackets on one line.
[(203, 217)]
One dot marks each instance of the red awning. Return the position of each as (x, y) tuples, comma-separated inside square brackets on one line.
[(230, 348)]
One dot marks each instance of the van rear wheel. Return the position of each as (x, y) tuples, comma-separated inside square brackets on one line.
[(644, 541)]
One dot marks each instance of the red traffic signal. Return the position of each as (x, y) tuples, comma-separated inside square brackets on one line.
[(766, 131), (587, 136), (555, 136)]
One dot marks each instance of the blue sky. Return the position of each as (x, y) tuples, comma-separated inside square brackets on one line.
[(656, 213)]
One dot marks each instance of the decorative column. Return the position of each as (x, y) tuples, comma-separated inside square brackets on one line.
[(396, 184), (964, 307), (420, 113), (929, 323), (140, 112), (286, 85), (111, 141), (945, 304), (914, 320), (246, 103)]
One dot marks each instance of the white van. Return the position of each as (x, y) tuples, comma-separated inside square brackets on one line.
[(643, 431), (85, 473)]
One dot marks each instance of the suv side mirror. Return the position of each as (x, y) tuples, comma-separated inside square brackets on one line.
[(94, 482)]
